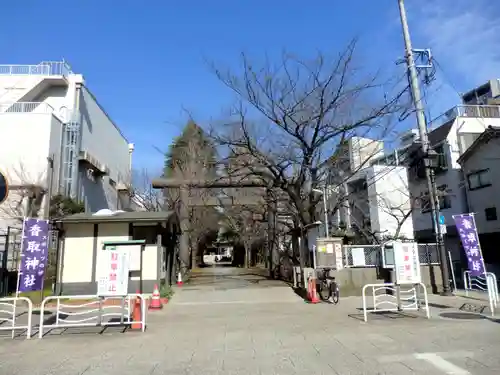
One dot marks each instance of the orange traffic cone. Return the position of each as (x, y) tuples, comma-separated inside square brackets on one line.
[(136, 314), (155, 300), (179, 279), (313, 296)]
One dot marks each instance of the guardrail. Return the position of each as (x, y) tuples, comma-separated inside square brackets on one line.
[(399, 300), (10, 316), (45, 68), (26, 107), (487, 283), (72, 316)]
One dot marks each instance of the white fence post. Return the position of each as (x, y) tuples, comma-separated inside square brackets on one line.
[(11, 315), (94, 307), (408, 299)]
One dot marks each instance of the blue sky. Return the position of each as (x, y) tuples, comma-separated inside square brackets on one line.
[(146, 60)]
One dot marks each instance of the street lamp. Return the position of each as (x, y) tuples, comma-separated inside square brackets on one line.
[(323, 192)]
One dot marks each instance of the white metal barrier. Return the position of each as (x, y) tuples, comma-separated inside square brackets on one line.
[(10, 316), (72, 316), (487, 283), (400, 300)]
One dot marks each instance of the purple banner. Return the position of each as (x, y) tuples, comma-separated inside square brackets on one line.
[(466, 227), (34, 254)]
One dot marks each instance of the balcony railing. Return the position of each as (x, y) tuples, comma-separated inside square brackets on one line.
[(484, 111), (26, 107), (45, 68)]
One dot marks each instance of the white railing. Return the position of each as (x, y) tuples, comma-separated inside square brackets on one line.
[(26, 107), (480, 111), (487, 283), (93, 312), (399, 300), (45, 68), (9, 317)]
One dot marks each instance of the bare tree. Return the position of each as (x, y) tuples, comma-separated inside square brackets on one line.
[(27, 192), (144, 197), (293, 120)]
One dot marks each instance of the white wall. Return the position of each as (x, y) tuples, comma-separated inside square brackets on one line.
[(362, 149), (486, 156), (79, 246), (78, 253), (26, 140), (389, 201), (104, 141), (13, 87)]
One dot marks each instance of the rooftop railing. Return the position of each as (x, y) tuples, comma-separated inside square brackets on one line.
[(45, 68), (484, 111), (26, 107)]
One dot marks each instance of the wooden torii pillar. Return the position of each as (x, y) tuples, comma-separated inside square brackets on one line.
[(186, 201)]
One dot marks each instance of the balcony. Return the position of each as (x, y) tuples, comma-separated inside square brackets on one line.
[(474, 111), (26, 107), (45, 68)]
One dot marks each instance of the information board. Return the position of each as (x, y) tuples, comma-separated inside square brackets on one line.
[(115, 273), (407, 263)]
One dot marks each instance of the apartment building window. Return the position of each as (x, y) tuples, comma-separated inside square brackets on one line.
[(490, 213), (441, 161), (479, 179), (443, 198)]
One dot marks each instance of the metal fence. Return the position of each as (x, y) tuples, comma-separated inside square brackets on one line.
[(370, 255)]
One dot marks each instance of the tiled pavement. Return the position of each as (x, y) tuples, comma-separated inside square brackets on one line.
[(233, 326)]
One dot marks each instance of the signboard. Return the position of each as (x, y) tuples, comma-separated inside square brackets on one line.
[(358, 257), (134, 252), (406, 263), (442, 224), (329, 248), (339, 260), (115, 272), (34, 254), (467, 230), (322, 249)]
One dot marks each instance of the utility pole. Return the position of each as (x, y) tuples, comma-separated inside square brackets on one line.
[(422, 128)]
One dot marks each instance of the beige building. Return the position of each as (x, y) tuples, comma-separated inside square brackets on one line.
[(81, 247), (482, 182)]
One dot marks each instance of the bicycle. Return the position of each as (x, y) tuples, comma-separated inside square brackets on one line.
[(328, 287)]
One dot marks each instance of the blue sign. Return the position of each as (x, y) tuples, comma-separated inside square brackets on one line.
[(4, 188), (441, 219)]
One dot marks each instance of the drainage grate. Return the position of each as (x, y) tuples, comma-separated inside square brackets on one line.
[(472, 308), (462, 315)]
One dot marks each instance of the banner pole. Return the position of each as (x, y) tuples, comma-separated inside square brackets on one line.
[(14, 308)]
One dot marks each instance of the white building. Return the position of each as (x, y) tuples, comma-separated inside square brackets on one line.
[(454, 132), (47, 111), (482, 181), (371, 200)]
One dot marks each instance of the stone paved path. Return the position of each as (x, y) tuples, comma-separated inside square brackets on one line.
[(233, 326)]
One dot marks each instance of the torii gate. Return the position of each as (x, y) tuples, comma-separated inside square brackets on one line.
[(187, 200)]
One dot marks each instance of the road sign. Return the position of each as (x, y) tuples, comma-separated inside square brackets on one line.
[(4, 188)]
